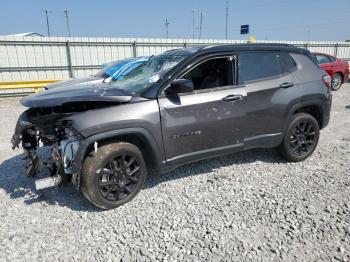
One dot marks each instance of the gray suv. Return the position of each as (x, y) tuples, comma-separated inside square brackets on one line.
[(181, 106)]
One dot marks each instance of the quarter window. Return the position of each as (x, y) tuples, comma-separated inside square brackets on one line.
[(258, 65), (213, 73), (287, 62)]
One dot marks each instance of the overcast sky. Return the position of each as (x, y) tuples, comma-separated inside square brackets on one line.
[(268, 19)]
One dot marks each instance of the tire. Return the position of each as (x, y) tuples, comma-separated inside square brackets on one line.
[(337, 81), (301, 138), (113, 175)]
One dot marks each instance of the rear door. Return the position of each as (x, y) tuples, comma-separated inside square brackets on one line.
[(207, 121), (269, 82)]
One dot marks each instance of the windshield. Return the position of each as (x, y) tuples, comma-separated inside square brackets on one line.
[(144, 76), (109, 69)]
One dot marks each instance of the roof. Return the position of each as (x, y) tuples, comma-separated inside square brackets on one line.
[(198, 50), (251, 47), (183, 51)]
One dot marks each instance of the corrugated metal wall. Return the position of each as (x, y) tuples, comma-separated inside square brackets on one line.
[(40, 58)]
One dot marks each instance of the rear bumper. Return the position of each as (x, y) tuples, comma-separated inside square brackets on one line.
[(327, 105)]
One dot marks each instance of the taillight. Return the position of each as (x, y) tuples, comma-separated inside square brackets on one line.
[(327, 80)]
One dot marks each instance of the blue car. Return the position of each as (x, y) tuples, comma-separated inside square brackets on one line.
[(112, 71)]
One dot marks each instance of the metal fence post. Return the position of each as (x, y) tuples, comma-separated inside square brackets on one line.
[(69, 60), (134, 52), (185, 44), (336, 49)]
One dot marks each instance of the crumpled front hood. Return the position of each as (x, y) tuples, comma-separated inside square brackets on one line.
[(84, 93), (75, 81)]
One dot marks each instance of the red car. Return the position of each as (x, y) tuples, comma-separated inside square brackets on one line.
[(338, 69)]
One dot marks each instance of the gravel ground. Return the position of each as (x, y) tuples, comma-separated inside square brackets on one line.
[(247, 206)]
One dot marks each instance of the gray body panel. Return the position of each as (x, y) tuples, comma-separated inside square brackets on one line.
[(88, 93), (200, 121), (143, 114)]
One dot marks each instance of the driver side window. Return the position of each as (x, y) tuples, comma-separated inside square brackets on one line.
[(216, 72)]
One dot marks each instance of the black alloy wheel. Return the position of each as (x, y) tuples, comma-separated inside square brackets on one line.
[(113, 175), (119, 178), (300, 139)]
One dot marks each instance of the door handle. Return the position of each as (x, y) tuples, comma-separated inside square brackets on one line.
[(232, 98), (286, 85)]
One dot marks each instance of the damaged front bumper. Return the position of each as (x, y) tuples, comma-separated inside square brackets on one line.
[(33, 131)]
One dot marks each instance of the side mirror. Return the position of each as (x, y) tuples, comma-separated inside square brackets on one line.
[(180, 86)]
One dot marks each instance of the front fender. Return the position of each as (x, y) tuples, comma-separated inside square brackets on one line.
[(78, 161)]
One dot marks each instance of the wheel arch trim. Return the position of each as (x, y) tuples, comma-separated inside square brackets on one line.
[(114, 134), (302, 104)]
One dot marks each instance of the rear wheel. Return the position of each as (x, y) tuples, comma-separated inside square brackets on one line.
[(301, 138), (337, 81), (114, 175)]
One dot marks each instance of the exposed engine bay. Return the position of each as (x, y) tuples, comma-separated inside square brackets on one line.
[(50, 126)]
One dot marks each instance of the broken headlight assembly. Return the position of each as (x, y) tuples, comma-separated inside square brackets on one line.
[(68, 148), (64, 141)]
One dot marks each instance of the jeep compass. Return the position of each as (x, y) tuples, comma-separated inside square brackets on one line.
[(180, 106)]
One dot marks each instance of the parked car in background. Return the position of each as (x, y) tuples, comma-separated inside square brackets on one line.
[(338, 69), (111, 71)]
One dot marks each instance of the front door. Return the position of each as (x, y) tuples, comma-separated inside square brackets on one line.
[(208, 121)]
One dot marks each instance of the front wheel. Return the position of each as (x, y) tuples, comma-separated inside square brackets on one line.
[(301, 138), (113, 175), (337, 81)]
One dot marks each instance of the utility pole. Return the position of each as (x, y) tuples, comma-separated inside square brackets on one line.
[(47, 22), (308, 35), (67, 21), (193, 25), (226, 18), (200, 25), (167, 28)]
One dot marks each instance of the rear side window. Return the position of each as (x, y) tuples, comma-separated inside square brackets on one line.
[(258, 65), (287, 62)]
